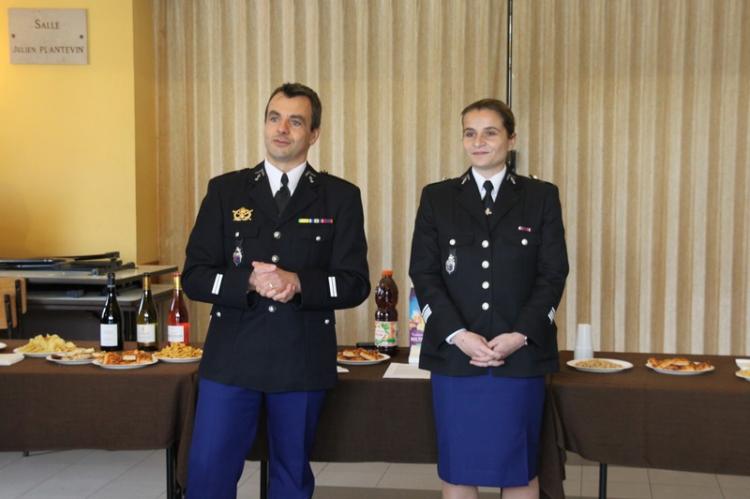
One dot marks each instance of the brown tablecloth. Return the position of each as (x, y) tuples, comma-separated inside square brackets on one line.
[(50, 406), (642, 418)]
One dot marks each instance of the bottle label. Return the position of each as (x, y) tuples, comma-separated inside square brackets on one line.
[(386, 333), (108, 335), (146, 333), (176, 334)]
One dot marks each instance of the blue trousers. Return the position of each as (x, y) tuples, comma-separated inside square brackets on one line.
[(226, 421)]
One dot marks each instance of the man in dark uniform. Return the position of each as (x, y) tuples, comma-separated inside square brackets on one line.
[(489, 266), (276, 249)]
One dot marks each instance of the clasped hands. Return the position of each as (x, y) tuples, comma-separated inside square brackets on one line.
[(491, 353), (272, 282)]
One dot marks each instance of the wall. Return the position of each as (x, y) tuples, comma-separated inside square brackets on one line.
[(68, 143)]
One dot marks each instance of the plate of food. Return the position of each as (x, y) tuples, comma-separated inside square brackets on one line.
[(179, 353), (600, 366), (76, 357), (679, 366), (744, 374), (3, 345), (43, 345), (360, 357), (128, 359)]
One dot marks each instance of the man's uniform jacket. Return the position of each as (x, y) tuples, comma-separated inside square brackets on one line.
[(255, 342), (490, 274)]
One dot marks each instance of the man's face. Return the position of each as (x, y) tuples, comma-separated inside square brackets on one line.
[(287, 132), (486, 140)]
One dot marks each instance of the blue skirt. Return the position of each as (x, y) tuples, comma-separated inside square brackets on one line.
[(488, 429)]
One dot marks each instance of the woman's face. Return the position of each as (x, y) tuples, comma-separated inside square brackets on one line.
[(486, 140)]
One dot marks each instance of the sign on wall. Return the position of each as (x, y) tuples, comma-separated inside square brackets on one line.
[(48, 36)]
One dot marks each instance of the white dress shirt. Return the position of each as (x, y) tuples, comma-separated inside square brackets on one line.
[(274, 176)]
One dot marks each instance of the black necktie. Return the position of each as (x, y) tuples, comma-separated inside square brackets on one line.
[(282, 195), (487, 199)]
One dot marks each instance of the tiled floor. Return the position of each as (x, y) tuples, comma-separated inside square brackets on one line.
[(98, 474)]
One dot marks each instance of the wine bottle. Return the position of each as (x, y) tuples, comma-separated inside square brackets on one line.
[(178, 323), (147, 323), (111, 334)]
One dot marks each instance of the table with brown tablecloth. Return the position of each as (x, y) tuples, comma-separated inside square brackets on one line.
[(51, 406), (643, 418), (633, 418)]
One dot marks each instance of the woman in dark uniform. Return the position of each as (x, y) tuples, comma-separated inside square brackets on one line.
[(489, 264)]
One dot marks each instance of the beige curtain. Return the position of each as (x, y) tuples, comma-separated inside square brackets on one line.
[(637, 109), (393, 77)]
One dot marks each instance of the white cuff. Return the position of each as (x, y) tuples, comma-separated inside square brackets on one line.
[(451, 337)]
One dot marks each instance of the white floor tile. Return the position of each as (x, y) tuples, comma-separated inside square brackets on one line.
[(736, 492), (76, 481), (572, 488), (671, 491), (573, 472), (669, 477), (250, 488), (615, 474), (410, 481), (317, 467), (9, 457), (619, 490), (369, 467), (421, 469), (734, 481), (348, 478)]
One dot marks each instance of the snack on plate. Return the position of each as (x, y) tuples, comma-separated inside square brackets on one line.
[(358, 354), (179, 351), (678, 364), (745, 373), (75, 354), (598, 364), (126, 357), (47, 343)]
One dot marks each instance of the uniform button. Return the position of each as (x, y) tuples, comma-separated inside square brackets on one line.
[(485, 244), (452, 242), (236, 234), (327, 321), (524, 241), (485, 285), (277, 235), (275, 258), (485, 264), (318, 238), (272, 308), (485, 306), (218, 314)]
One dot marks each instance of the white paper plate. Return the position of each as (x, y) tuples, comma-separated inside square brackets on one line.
[(746, 378), (383, 358), (70, 362), (36, 355), (178, 360), (624, 365), (680, 373), (119, 367), (2, 345), (743, 363)]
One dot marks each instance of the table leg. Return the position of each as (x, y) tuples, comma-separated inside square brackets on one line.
[(264, 479), (173, 489), (602, 480)]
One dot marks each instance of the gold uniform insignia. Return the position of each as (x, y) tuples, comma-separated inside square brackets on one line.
[(242, 215)]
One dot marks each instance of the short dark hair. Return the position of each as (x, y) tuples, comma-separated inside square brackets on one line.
[(300, 90), (500, 107)]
